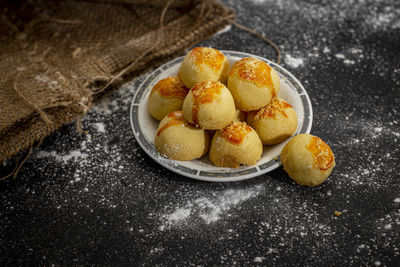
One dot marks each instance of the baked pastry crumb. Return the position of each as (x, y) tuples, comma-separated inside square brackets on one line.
[(338, 213)]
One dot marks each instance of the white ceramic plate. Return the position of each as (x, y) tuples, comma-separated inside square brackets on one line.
[(144, 127)]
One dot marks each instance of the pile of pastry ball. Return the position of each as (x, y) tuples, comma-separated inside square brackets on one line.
[(237, 108)]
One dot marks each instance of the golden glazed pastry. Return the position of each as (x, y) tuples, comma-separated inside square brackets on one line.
[(209, 105), (166, 96), (204, 64), (234, 145), (275, 122), (253, 83), (177, 139), (307, 159)]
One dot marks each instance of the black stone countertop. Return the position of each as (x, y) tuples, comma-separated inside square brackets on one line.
[(98, 199)]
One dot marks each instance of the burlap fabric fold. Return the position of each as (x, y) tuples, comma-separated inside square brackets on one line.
[(55, 55)]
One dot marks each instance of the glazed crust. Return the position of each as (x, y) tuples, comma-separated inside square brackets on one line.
[(209, 105), (166, 96), (235, 145), (275, 122), (179, 140), (204, 64), (307, 159), (253, 83)]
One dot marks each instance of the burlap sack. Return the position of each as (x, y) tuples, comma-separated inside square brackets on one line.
[(55, 55)]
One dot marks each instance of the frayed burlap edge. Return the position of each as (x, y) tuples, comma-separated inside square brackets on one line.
[(34, 129)]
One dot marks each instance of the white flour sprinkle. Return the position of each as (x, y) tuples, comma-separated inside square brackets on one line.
[(209, 210), (326, 50), (397, 200), (293, 62), (384, 20), (345, 60), (355, 50), (349, 62), (387, 18), (100, 127), (258, 2), (176, 217), (340, 56), (74, 154), (259, 259)]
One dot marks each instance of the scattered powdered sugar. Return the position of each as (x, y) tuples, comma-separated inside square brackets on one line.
[(385, 15), (370, 171), (74, 154), (100, 127), (351, 56), (177, 216), (388, 19), (119, 101), (209, 209), (326, 50), (387, 231), (356, 51), (345, 60), (258, 2), (259, 259), (293, 61)]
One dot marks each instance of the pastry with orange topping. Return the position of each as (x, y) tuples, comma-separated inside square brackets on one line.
[(253, 83), (235, 145), (177, 139), (275, 122), (209, 105), (204, 64), (166, 96), (307, 159)]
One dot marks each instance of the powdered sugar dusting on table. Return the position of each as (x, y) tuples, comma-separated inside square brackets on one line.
[(293, 62), (209, 210)]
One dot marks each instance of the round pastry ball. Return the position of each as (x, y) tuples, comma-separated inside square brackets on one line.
[(166, 96), (234, 145), (204, 64), (177, 139), (307, 159), (209, 105), (253, 83), (275, 122)]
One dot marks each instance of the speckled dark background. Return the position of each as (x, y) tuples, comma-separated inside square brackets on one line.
[(97, 199)]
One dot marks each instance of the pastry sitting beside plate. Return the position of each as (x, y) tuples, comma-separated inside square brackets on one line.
[(307, 159)]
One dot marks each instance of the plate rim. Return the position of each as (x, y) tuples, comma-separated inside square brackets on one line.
[(258, 172)]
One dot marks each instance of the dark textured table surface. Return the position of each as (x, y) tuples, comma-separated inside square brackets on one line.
[(98, 199)]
